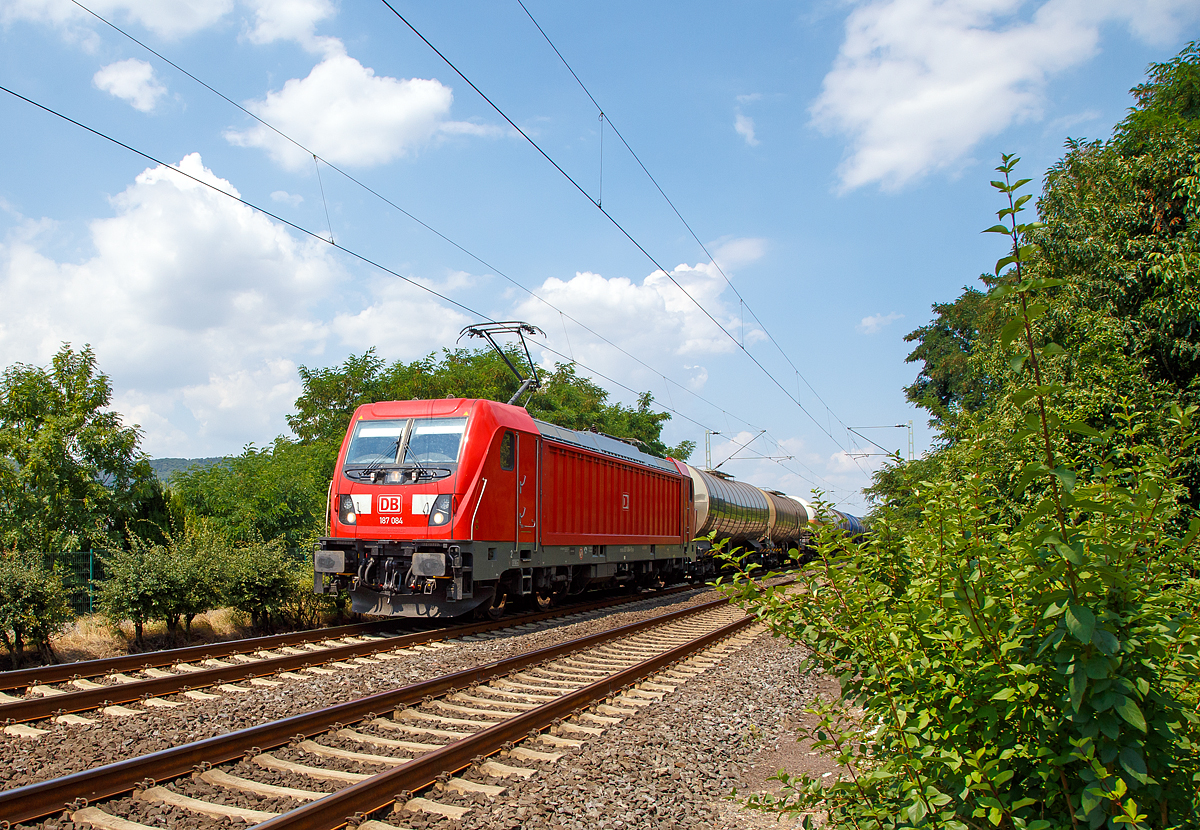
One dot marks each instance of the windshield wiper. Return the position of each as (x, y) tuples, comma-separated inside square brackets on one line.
[(369, 470)]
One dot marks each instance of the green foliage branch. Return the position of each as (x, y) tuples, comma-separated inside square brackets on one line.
[(1022, 653)]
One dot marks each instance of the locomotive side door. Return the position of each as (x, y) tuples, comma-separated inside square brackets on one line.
[(527, 491)]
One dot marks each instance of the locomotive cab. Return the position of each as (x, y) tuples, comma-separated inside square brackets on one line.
[(410, 478)]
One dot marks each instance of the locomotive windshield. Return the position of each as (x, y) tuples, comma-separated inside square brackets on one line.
[(434, 440), (375, 442), (408, 450)]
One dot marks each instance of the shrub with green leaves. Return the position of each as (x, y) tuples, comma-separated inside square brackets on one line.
[(33, 605), (141, 584), (1023, 653), (259, 581)]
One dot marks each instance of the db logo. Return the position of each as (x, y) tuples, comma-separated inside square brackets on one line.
[(389, 504)]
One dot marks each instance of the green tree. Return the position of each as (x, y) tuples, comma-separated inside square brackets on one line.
[(276, 492), (949, 383), (1024, 652), (71, 476), (1121, 231)]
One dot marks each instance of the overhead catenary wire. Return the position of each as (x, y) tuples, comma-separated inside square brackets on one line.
[(366, 260), (667, 199), (247, 203), (614, 222), (452, 243)]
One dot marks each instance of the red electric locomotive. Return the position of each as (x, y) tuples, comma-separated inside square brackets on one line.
[(439, 506)]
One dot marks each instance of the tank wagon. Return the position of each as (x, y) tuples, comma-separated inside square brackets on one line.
[(440, 507)]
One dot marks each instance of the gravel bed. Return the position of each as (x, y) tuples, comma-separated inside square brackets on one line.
[(671, 765), (72, 748)]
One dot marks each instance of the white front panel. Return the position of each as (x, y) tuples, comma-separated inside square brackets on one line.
[(422, 503)]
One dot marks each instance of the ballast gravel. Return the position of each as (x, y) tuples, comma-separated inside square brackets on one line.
[(673, 764)]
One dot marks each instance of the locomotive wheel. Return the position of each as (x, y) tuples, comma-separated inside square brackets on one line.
[(495, 608), (545, 602)]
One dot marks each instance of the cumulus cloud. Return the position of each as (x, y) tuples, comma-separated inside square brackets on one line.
[(189, 299), (132, 81), (744, 126), (617, 307), (166, 18), (349, 115), (294, 20), (402, 320), (286, 198), (918, 83), (877, 322)]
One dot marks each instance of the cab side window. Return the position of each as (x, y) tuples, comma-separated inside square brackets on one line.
[(508, 451)]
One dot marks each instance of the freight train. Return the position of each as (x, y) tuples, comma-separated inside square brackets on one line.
[(443, 507)]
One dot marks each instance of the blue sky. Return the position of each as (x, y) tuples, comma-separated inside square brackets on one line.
[(832, 157)]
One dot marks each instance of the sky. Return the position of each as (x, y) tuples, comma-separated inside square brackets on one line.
[(826, 165)]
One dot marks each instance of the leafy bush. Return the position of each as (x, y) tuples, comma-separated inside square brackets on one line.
[(1024, 652), (302, 608), (259, 581), (33, 605), (141, 584), (196, 556)]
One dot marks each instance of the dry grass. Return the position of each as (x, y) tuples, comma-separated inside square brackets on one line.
[(93, 637), (88, 638)]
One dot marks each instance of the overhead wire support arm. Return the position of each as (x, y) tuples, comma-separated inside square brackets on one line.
[(741, 447), (886, 451)]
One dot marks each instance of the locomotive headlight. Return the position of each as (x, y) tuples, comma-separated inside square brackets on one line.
[(439, 513), (346, 510)]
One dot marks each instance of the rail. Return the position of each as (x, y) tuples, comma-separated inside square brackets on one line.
[(46, 798)]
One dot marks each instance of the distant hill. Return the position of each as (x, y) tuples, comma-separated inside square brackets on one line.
[(163, 467)]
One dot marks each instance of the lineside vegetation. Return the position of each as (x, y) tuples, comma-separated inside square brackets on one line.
[(1017, 644)]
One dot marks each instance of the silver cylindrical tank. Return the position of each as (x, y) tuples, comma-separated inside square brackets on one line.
[(741, 512), (788, 519), (729, 509)]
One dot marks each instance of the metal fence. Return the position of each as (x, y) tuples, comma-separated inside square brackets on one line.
[(80, 571)]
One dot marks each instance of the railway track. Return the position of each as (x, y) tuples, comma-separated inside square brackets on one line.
[(63, 691), (325, 768)]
